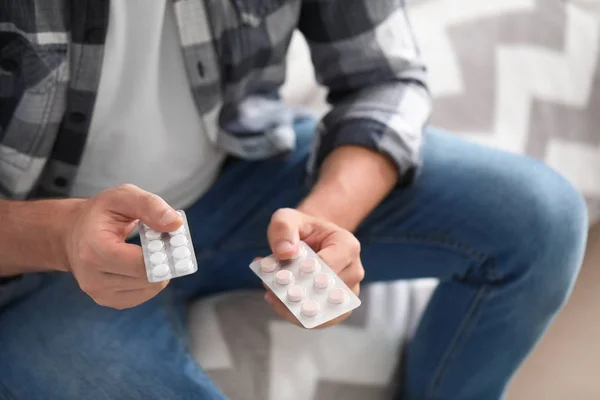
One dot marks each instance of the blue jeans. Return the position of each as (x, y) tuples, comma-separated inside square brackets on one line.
[(503, 233)]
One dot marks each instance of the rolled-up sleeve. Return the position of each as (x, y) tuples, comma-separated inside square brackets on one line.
[(364, 52)]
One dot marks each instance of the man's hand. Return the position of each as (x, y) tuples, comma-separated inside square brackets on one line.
[(336, 246), (107, 268)]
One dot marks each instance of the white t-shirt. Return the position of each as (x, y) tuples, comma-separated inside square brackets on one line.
[(146, 129)]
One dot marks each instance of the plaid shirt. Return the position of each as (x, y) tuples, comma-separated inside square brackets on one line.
[(234, 50)]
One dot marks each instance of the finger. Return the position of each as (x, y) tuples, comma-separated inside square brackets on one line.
[(280, 308), (121, 300), (123, 259), (152, 287), (284, 232), (124, 282), (353, 274), (135, 203), (340, 250)]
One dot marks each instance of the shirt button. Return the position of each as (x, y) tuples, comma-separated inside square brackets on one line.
[(9, 65), (77, 117), (94, 35), (60, 181)]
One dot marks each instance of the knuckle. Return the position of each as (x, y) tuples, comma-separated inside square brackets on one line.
[(87, 288), (86, 255), (359, 274), (149, 197), (127, 187), (282, 214), (354, 244), (91, 288), (104, 302), (278, 225)]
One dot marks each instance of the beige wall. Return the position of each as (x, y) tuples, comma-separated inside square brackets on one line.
[(566, 364)]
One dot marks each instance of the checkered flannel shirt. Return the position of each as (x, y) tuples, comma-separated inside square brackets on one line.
[(363, 51)]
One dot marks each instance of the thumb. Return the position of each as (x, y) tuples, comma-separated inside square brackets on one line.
[(132, 202), (284, 232)]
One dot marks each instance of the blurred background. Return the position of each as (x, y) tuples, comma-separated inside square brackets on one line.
[(521, 75)]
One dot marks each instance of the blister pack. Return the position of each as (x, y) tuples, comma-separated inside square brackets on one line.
[(307, 286), (168, 255)]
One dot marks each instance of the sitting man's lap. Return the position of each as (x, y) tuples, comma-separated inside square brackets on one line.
[(504, 234)]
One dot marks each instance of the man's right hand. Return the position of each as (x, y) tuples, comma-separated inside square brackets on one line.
[(107, 268)]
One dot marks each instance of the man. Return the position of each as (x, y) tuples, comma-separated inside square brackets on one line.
[(178, 100)]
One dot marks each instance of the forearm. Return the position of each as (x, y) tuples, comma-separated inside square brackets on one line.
[(352, 182), (31, 235)]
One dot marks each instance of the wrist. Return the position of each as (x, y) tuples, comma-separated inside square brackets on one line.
[(60, 228), (352, 182), (330, 202), (41, 230)]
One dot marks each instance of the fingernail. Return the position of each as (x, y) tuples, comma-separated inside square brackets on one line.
[(169, 217), (283, 247)]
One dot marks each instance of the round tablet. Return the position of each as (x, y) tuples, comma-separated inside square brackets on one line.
[(309, 265), (295, 293), (268, 265), (283, 277), (178, 240), (322, 281), (336, 296), (158, 258), (160, 271), (152, 235), (181, 253), (178, 231), (310, 308), (185, 265), (155, 245)]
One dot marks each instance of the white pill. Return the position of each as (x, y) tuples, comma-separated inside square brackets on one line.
[(183, 266), (152, 235), (322, 281), (283, 277), (336, 296), (178, 240), (160, 271), (178, 231), (158, 258), (268, 265), (155, 245), (310, 308), (181, 253), (300, 253), (295, 293), (309, 265)]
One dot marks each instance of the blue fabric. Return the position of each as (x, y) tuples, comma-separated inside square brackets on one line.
[(503, 233)]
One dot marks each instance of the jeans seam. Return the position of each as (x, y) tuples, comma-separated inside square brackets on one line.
[(465, 327)]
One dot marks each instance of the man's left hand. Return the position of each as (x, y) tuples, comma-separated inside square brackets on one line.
[(336, 246)]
